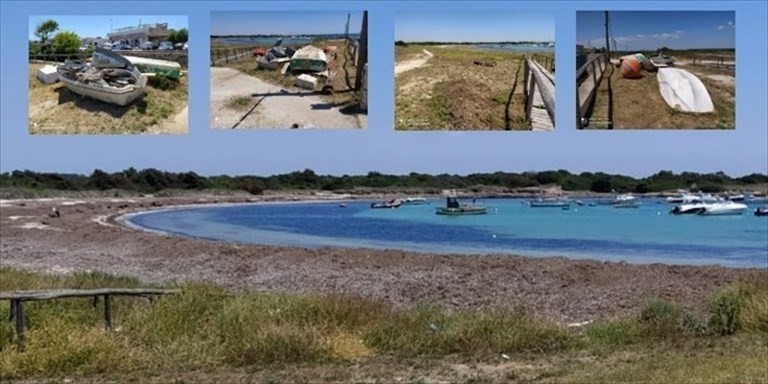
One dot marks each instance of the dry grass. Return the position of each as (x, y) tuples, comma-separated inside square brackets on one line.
[(638, 104), (450, 92), (54, 109), (210, 334)]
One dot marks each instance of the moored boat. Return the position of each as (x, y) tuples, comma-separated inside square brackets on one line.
[(761, 211), (394, 203), (454, 208), (723, 208), (549, 203), (414, 201)]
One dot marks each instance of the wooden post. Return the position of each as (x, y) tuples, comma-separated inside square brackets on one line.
[(12, 310), (362, 53), (20, 324), (531, 90), (526, 77), (108, 311)]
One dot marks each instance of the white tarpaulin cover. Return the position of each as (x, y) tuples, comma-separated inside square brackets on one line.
[(684, 91)]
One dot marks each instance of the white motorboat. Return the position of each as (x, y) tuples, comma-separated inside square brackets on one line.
[(414, 201), (722, 208), (688, 208)]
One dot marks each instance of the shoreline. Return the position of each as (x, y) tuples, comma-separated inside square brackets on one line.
[(87, 236)]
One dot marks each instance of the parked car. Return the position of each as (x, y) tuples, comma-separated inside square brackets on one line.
[(178, 46), (107, 45), (165, 46), (148, 45), (186, 47), (121, 47)]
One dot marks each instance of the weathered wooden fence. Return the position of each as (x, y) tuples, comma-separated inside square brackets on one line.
[(539, 91), (18, 298), (221, 56), (727, 62), (547, 62), (588, 79)]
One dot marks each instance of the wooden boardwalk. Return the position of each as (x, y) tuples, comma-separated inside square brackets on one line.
[(540, 88), (592, 74)]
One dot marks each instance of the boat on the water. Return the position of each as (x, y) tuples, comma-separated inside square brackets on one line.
[(684, 91), (414, 201), (549, 203), (761, 211), (109, 78), (169, 69), (627, 204), (455, 208), (394, 203), (722, 208), (688, 207)]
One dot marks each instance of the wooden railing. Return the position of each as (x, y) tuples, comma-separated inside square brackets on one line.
[(588, 79), (720, 61), (538, 80), (547, 62), (18, 299)]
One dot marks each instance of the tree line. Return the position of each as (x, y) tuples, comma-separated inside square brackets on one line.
[(153, 180)]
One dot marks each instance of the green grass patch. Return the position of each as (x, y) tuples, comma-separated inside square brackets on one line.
[(207, 328)]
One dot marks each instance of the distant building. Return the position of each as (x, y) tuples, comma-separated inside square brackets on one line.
[(138, 35), (94, 41)]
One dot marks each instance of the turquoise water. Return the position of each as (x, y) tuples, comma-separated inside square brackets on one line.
[(288, 41), (644, 235)]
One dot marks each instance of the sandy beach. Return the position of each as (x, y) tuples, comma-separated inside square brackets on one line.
[(87, 236)]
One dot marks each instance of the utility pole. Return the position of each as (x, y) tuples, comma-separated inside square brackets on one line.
[(607, 42), (362, 52)]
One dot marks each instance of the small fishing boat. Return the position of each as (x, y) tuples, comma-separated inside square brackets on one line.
[(109, 78), (684, 91), (761, 211), (454, 208), (165, 68), (394, 203), (723, 208), (737, 198)]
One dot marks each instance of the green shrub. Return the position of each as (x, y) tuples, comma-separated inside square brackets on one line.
[(660, 318)]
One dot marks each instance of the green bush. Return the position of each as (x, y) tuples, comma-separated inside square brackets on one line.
[(66, 42), (660, 318)]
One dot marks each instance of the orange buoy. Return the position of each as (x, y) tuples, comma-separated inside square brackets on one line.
[(631, 68)]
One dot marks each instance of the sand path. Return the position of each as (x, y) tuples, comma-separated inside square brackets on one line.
[(413, 64), (272, 106)]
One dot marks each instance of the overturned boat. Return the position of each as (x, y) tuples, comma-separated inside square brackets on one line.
[(109, 77), (684, 91), (165, 68)]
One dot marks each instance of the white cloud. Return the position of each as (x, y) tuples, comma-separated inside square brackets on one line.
[(732, 24), (720, 27)]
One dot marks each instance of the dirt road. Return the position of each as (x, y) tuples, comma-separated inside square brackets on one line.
[(413, 64), (272, 106)]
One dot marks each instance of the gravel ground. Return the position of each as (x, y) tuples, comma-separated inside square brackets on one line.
[(87, 237)]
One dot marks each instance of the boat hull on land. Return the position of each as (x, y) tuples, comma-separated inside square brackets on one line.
[(684, 91)]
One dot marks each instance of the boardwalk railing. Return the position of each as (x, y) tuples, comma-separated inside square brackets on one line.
[(539, 83), (18, 299), (588, 79)]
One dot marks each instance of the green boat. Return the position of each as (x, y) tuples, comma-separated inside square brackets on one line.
[(165, 68), (454, 208)]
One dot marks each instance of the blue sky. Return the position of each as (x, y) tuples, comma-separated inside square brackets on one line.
[(474, 26), (649, 30), (379, 148), (99, 25), (283, 23)]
